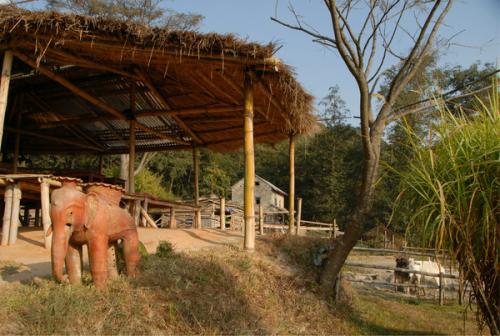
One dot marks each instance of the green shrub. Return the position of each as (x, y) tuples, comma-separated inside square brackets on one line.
[(164, 249)]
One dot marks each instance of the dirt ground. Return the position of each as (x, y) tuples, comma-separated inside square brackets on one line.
[(28, 257)]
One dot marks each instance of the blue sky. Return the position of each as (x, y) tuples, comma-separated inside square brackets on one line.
[(318, 68)]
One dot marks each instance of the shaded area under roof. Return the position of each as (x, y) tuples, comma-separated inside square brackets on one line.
[(188, 86)]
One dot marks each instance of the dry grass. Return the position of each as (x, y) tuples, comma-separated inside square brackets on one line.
[(218, 291)]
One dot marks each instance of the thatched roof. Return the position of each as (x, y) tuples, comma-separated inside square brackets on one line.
[(189, 86)]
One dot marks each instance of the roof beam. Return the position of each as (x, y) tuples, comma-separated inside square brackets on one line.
[(148, 82), (77, 91)]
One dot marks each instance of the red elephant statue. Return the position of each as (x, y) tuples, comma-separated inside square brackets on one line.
[(95, 219)]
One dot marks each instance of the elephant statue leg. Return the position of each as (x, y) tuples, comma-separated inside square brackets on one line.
[(112, 260), (74, 264), (131, 251), (98, 257)]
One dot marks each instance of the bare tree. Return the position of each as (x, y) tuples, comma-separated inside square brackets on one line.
[(365, 46)]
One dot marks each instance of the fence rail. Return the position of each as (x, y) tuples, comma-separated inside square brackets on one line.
[(441, 275)]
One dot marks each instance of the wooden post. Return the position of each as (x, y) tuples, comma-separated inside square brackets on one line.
[(6, 214), (385, 238), (145, 206), (392, 241), (222, 213), (212, 216), (137, 212), (261, 219), (26, 216), (196, 168), (15, 159), (4, 89), (337, 286), (291, 195), (46, 221), (441, 288), (299, 214), (131, 159), (172, 223), (100, 164), (37, 216), (14, 217), (334, 228), (249, 197)]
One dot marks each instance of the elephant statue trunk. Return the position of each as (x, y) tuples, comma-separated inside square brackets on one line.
[(59, 249)]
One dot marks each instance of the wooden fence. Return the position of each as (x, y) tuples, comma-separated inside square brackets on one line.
[(441, 286)]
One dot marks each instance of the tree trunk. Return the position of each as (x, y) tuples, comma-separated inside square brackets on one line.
[(353, 232)]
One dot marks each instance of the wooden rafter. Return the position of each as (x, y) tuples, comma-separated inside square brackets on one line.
[(79, 92), (148, 82)]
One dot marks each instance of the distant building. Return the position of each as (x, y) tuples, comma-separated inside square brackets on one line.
[(270, 196)]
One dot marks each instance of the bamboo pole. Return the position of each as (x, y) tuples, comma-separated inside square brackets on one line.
[(172, 223), (222, 213), (299, 214), (6, 214), (37, 216), (131, 160), (14, 217), (46, 221), (291, 195), (4, 88), (196, 168), (100, 164), (249, 212), (261, 219)]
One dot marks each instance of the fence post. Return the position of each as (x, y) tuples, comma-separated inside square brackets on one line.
[(261, 219), (222, 213), (337, 285), (441, 288), (299, 214)]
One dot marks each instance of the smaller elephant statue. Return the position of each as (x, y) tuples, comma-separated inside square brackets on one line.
[(89, 218)]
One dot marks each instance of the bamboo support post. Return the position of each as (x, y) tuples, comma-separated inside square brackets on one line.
[(196, 168), (100, 167), (15, 209), (4, 88), (291, 196), (46, 221), (6, 214), (249, 185), (222, 213), (334, 228), (212, 216), (299, 214), (26, 216), (172, 223), (131, 159), (261, 220)]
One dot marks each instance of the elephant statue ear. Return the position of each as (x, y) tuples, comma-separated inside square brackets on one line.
[(91, 208)]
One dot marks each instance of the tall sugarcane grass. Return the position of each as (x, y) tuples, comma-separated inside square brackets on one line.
[(452, 186)]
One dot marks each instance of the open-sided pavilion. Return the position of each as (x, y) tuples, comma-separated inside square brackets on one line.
[(74, 84)]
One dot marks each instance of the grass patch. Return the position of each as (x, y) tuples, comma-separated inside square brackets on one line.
[(218, 291)]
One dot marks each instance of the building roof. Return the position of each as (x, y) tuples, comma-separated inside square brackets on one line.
[(272, 186), (189, 86)]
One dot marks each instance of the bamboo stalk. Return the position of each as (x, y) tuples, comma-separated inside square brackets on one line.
[(299, 214), (261, 220), (249, 184), (291, 195), (196, 168), (131, 162), (4, 88)]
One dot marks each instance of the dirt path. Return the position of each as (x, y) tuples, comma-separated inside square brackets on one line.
[(28, 257)]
